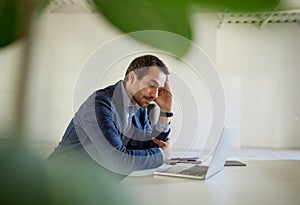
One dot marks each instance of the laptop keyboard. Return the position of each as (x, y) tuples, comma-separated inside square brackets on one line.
[(196, 170)]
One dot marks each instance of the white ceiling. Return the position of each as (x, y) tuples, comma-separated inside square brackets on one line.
[(70, 6), (86, 6), (289, 5), (287, 11)]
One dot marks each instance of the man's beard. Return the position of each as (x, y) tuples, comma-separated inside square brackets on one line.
[(134, 98)]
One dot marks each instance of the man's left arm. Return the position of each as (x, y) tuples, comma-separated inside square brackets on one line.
[(161, 130), (164, 101)]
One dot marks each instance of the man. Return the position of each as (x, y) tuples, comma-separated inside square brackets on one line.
[(112, 126)]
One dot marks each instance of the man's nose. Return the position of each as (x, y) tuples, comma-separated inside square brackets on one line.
[(154, 93)]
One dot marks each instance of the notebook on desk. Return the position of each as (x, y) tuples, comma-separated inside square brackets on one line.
[(216, 164)]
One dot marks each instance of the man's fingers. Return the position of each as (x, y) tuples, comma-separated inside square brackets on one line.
[(167, 85), (160, 143)]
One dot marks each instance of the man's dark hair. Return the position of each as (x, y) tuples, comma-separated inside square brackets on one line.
[(142, 64)]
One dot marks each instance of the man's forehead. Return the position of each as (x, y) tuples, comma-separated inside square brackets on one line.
[(158, 80), (159, 83), (156, 74)]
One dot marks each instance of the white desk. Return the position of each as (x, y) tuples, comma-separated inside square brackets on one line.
[(260, 182)]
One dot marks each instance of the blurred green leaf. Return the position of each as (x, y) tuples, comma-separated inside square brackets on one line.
[(14, 18), (22, 175), (168, 15), (137, 15), (27, 179), (10, 22), (131, 15)]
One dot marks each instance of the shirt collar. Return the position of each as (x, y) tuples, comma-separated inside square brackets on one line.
[(129, 108)]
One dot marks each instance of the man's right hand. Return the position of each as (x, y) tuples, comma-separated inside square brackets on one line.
[(164, 99)]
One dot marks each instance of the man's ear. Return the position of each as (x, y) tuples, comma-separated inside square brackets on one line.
[(131, 76)]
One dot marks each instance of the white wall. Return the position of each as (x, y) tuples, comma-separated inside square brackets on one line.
[(63, 43), (259, 69), (9, 67), (268, 64)]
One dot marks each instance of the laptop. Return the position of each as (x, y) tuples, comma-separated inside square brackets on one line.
[(216, 164)]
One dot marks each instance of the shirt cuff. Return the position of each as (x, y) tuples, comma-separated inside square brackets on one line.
[(163, 154), (161, 127)]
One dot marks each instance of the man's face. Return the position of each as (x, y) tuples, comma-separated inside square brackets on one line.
[(147, 88)]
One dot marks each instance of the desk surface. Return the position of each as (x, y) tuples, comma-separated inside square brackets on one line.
[(260, 182)]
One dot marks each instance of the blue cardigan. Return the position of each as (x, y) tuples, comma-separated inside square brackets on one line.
[(97, 130)]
